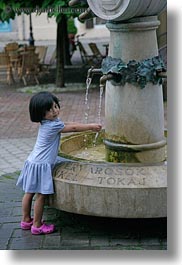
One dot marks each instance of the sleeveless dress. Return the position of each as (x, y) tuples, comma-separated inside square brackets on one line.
[(36, 175)]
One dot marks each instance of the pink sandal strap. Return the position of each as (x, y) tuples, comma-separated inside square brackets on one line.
[(26, 225)]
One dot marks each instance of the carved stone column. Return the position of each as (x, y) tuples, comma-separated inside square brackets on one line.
[(134, 117)]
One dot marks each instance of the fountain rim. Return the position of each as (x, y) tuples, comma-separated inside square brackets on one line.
[(134, 147), (74, 159)]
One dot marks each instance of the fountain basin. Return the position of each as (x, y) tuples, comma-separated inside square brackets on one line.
[(99, 188)]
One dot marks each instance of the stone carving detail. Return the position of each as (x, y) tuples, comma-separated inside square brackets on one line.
[(109, 176), (133, 72)]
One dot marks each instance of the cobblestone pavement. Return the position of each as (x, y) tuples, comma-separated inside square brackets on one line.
[(17, 137), (75, 232)]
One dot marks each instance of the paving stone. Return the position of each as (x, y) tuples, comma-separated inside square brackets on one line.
[(98, 241), (75, 240), (24, 243), (51, 242), (124, 242)]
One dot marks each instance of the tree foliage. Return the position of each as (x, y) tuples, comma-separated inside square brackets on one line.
[(54, 8)]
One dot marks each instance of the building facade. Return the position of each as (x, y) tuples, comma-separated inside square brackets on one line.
[(44, 28)]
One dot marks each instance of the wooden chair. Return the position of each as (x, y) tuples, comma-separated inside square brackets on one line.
[(12, 50), (45, 67), (53, 58), (29, 67), (96, 52), (86, 59), (41, 51), (5, 69), (11, 47)]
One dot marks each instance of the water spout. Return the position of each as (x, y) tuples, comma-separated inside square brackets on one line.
[(105, 78), (93, 71), (86, 15), (76, 2), (162, 74)]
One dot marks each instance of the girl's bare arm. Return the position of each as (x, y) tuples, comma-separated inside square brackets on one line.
[(80, 127)]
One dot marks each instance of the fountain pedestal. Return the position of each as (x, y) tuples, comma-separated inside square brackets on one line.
[(134, 129), (134, 117)]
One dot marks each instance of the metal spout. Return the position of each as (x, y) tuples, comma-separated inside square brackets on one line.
[(98, 71), (93, 71), (86, 15), (75, 2), (105, 78), (162, 74)]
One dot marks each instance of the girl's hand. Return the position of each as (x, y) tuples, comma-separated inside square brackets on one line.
[(95, 127)]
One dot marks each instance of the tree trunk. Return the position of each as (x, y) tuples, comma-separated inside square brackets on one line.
[(67, 57), (60, 49)]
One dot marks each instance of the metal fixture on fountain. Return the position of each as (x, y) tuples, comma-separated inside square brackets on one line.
[(87, 14), (133, 181), (98, 71)]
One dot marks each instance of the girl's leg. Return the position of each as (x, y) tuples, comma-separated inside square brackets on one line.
[(26, 207), (38, 209)]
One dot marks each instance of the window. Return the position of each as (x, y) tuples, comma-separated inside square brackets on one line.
[(5, 26), (96, 21)]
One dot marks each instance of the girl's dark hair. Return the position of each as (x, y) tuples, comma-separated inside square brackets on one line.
[(40, 103)]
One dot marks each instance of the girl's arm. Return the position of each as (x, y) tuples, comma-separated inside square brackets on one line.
[(80, 127)]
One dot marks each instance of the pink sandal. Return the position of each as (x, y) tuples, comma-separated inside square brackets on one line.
[(44, 229), (26, 225)]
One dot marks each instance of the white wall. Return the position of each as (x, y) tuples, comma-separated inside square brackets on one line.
[(45, 28)]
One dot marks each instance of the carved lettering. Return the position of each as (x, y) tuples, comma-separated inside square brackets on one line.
[(142, 181), (131, 181), (129, 171), (61, 174), (100, 179), (121, 181), (111, 181), (108, 171), (119, 171), (118, 176), (141, 171), (98, 170)]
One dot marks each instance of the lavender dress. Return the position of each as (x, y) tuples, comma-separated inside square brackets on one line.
[(36, 175)]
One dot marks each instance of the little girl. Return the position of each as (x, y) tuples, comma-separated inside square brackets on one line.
[(36, 175)]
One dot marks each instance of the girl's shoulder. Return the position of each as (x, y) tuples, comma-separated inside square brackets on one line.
[(56, 124)]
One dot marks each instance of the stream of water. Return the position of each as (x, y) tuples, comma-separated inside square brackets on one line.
[(87, 108), (99, 112)]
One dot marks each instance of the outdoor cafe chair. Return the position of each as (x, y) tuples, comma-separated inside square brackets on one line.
[(5, 68), (86, 58), (29, 67), (41, 51), (44, 68), (12, 51), (96, 52), (11, 47)]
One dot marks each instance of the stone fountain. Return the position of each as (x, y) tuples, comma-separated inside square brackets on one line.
[(132, 183)]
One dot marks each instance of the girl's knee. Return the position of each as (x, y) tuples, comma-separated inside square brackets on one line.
[(40, 196)]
